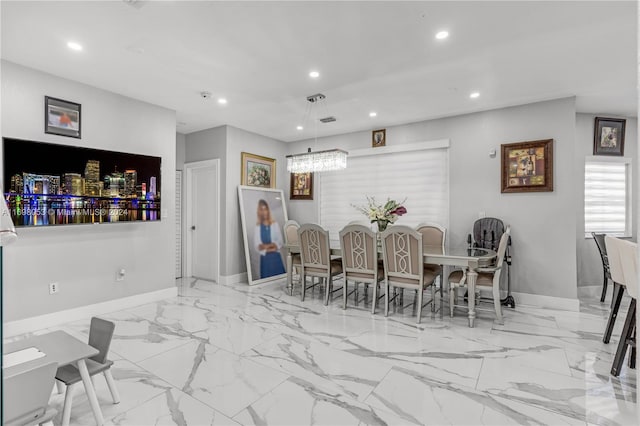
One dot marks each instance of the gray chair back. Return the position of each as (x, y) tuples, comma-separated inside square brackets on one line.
[(629, 262), (502, 246), (359, 252), (26, 395), (615, 263), (100, 335), (432, 235), (315, 252), (402, 254), (291, 232)]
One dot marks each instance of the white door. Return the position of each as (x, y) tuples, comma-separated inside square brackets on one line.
[(202, 220)]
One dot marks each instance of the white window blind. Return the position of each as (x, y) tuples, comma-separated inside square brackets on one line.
[(607, 197), (421, 176)]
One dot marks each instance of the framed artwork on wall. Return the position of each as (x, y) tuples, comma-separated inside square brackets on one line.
[(527, 166), (301, 186), (61, 117), (258, 171), (608, 136), (379, 138), (263, 215)]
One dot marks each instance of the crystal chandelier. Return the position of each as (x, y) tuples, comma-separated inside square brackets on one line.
[(318, 161)]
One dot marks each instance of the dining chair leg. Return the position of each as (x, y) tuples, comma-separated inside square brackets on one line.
[(60, 386), (355, 294), (452, 298), (328, 284), (618, 291), (68, 401), (604, 287), (497, 304), (374, 301), (433, 297), (303, 279), (386, 299), (344, 295), (419, 314), (112, 386), (625, 337)]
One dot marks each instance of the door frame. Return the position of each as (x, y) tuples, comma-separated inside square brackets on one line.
[(188, 195)]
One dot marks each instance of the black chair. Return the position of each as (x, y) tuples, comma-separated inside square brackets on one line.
[(602, 248)]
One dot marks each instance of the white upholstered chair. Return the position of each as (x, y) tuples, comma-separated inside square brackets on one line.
[(360, 261), (487, 277), (291, 238), (315, 256)]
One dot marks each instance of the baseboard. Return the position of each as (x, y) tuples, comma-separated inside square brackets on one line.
[(27, 325), (233, 279), (549, 302), (590, 291)]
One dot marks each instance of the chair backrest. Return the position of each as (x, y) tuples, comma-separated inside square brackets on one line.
[(629, 262), (359, 250), (291, 232), (100, 335), (602, 248), (615, 263), (432, 235), (502, 247), (314, 247), (487, 232), (26, 394), (402, 255)]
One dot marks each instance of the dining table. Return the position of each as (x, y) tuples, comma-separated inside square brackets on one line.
[(62, 348), (467, 258)]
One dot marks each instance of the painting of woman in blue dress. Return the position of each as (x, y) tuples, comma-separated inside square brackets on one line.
[(267, 240)]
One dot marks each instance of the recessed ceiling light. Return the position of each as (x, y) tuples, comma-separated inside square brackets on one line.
[(74, 46), (299, 128), (222, 101), (441, 35), (373, 114), (314, 74), (474, 95)]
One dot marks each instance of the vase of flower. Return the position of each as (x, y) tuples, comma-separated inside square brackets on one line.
[(382, 214)]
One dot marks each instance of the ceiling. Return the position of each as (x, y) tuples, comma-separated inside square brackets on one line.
[(372, 56)]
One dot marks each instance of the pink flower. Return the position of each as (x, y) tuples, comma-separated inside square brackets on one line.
[(400, 210)]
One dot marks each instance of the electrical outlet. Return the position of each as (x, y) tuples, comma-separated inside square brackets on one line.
[(54, 288), (120, 274)]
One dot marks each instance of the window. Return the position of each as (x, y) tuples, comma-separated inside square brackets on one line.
[(420, 175), (607, 196)]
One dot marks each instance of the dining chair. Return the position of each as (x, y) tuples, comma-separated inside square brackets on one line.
[(619, 284), (291, 238), (404, 268), (487, 277), (26, 396), (360, 262), (315, 257), (627, 253), (606, 276), (433, 236), (100, 336)]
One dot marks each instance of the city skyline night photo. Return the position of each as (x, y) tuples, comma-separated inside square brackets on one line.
[(51, 184)]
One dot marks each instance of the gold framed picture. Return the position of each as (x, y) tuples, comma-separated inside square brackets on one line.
[(379, 138), (301, 186), (527, 166), (258, 171)]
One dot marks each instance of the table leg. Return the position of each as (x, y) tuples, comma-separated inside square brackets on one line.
[(472, 276), (91, 392), (290, 273)]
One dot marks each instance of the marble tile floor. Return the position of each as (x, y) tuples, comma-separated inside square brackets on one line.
[(227, 355)]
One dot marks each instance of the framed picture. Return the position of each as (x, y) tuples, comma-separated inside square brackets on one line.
[(379, 138), (61, 117), (301, 186), (527, 166), (263, 215), (608, 136), (258, 171)]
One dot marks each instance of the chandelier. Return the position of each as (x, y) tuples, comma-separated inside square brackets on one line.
[(318, 161)]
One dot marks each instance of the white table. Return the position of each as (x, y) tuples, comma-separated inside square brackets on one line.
[(63, 349), (470, 259)]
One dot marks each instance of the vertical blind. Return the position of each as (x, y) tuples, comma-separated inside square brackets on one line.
[(607, 197), (422, 177)]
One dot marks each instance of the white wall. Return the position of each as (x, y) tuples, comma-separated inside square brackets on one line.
[(84, 259), (588, 259), (543, 224), (181, 140)]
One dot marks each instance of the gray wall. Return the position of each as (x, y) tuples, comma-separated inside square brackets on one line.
[(588, 259), (180, 150), (543, 228), (84, 259)]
